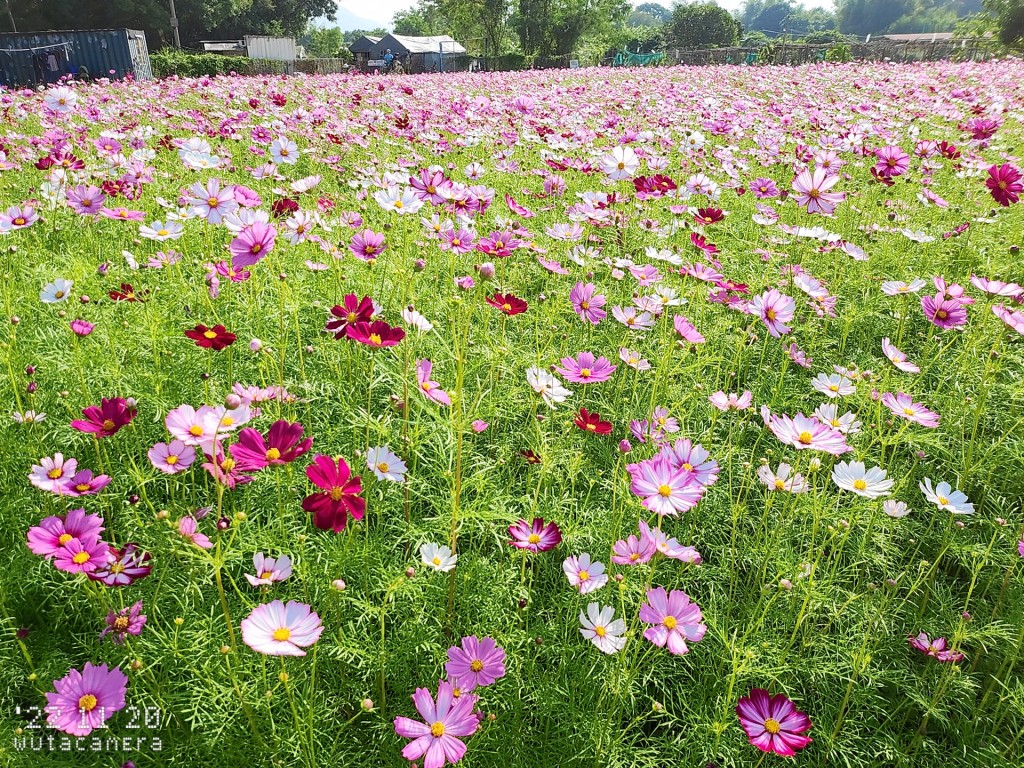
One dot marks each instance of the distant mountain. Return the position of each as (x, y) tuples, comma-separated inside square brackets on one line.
[(347, 20)]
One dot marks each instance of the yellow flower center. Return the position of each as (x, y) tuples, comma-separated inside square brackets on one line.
[(779, 484), (375, 339), (437, 729), (172, 460), (669, 622), (64, 538), (908, 411), (622, 166), (59, 295), (507, 307), (121, 624), (256, 248), (195, 430), (859, 484), (55, 473), (266, 574), (382, 466), (592, 427), (772, 726), (163, 232), (398, 203), (80, 558), (664, 491), (584, 576), (117, 568), (210, 334), (227, 465), (584, 305), (226, 421), (82, 487), (476, 665), (336, 493), (805, 438), (943, 500), (585, 373), (426, 386), (630, 321), (87, 703), (688, 466), (212, 202), (281, 634), (436, 561), (833, 387), (770, 314), (273, 454), (108, 424), (600, 631), (534, 538), (942, 314)]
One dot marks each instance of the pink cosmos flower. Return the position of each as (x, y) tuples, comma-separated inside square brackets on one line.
[(587, 304), (805, 433), (585, 369), (341, 494), (943, 312), (674, 618), (81, 556), (664, 489), (694, 461), (1013, 320), (775, 310), (997, 287), (475, 663), (431, 389), (106, 419), (53, 533), (81, 327), (276, 629), (687, 330), (633, 551), (935, 648), (812, 191), (773, 723), (903, 406), (269, 570), (632, 319), (254, 242), (897, 358), (127, 621), (536, 536), (479, 425), (732, 401), (444, 720), (283, 445), (189, 529), (84, 483), (1004, 182), (85, 700), (892, 161), (584, 574), (172, 458), (123, 567), (667, 546), (367, 245)]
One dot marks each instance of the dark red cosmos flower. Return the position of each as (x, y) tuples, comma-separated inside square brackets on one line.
[(507, 303), (949, 151), (376, 334), (701, 242), (591, 422), (105, 419), (654, 186), (530, 457), (351, 311), (215, 338), (709, 215), (127, 293), (284, 206), (282, 445), (340, 497), (881, 177), (1004, 182)]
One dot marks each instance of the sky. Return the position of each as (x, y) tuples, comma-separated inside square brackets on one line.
[(380, 12)]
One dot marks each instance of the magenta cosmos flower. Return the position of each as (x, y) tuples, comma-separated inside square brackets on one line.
[(1004, 182), (127, 621), (77, 556), (936, 648), (85, 700), (125, 566), (254, 242), (943, 312), (476, 663), (773, 723), (674, 618), (341, 494), (812, 191), (587, 304), (375, 335), (105, 419), (535, 537), (282, 445), (276, 629), (444, 720), (586, 369), (431, 389), (775, 310), (54, 533)]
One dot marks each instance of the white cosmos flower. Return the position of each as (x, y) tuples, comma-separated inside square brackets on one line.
[(28, 417), (898, 358), (898, 287), (56, 291), (894, 508), (401, 201), (944, 497), (161, 231), (852, 476), (833, 385), (284, 150), (600, 627), (438, 557), (620, 163), (386, 465), (416, 320), (547, 385), (828, 413), (781, 479)]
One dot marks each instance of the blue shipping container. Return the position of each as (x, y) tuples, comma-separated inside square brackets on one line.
[(37, 58)]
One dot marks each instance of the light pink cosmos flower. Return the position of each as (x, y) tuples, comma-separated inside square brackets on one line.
[(687, 330), (667, 546), (431, 389), (944, 313), (475, 662), (172, 458), (632, 319), (479, 425), (812, 191), (586, 369), (897, 358), (674, 618), (51, 473), (997, 287), (444, 720), (903, 406), (584, 574), (732, 401), (269, 570), (1014, 320), (189, 529), (900, 288), (276, 629), (805, 433), (694, 460), (664, 489), (587, 304), (775, 310), (254, 242), (781, 480), (633, 551), (85, 700), (633, 359)]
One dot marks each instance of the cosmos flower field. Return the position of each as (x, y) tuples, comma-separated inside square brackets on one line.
[(590, 418)]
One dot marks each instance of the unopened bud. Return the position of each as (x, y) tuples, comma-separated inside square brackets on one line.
[(232, 401)]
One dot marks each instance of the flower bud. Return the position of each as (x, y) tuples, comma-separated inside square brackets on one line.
[(785, 584), (367, 704), (255, 345), (410, 572), (419, 265), (486, 270), (232, 401), (225, 649), (339, 584), (223, 523), (624, 446), (30, 370)]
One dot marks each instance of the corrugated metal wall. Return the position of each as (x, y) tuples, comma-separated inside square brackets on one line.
[(273, 48), (99, 50)]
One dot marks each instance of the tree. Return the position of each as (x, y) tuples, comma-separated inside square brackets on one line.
[(869, 17), (554, 27), (324, 42), (702, 25), (657, 10), (1009, 21)]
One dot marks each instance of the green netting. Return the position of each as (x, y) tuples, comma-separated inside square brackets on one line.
[(626, 59)]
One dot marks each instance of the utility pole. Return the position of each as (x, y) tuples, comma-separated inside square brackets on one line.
[(174, 25), (10, 15)]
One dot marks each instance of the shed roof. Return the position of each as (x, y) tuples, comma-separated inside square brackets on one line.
[(433, 44), (364, 44)]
